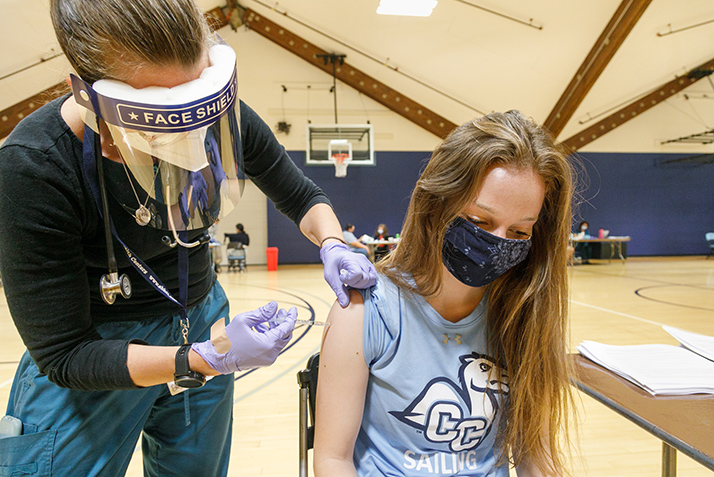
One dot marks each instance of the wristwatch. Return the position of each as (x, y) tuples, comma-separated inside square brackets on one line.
[(183, 376)]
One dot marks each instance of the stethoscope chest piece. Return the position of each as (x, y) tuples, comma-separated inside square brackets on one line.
[(112, 285)]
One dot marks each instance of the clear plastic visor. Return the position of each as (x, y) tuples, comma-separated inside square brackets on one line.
[(185, 180), (179, 149)]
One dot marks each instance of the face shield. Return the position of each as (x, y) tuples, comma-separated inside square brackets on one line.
[(180, 147)]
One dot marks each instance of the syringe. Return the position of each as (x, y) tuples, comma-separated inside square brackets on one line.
[(311, 323)]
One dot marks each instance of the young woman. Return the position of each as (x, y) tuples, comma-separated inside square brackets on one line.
[(455, 362), (583, 250), (381, 233), (145, 155)]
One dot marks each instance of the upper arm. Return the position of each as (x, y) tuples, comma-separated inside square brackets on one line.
[(44, 219), (41, 255), (342, 386), (528, 468)]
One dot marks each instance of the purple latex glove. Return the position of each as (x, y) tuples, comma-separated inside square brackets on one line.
[(214, 158), (246, 342), (344, 268), (197, 187), (280, 317)]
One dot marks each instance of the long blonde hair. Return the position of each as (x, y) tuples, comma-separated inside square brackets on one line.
[(528, 305)]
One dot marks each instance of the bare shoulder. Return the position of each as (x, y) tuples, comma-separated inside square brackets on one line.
[(344, 330), (354, 309)]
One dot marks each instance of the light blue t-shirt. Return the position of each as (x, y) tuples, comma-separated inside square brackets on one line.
[(433, 403)]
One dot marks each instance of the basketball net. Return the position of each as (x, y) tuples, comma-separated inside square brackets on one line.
[(341, 160)]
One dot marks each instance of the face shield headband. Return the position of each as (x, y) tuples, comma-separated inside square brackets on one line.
[(180, 163)]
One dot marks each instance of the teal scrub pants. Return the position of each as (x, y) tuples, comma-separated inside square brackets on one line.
[(94, 433)]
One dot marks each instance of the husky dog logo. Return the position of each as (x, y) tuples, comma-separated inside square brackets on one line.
[(459, 414)]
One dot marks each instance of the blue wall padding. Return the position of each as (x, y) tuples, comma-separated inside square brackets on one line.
[(368, 196), (665, 208)]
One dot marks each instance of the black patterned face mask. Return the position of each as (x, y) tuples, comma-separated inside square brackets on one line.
[(476, 257)]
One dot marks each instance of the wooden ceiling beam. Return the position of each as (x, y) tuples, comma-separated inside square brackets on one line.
[(638, 107), (351, 76), (367, 85), (14, 114), (610, 40)]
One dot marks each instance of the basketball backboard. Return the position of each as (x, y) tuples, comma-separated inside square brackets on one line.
[(329, 143)]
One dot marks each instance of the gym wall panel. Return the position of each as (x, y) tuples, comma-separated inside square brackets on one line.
[(665, 208), (368, 196)]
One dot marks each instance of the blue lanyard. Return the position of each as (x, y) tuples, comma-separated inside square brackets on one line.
[(89, 160), (90, 169)]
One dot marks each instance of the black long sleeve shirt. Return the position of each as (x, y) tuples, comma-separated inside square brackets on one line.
[(53, 251)]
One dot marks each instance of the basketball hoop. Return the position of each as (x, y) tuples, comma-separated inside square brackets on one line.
[(341, 159)]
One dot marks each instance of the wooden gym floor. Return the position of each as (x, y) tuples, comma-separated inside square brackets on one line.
[(612, 302)]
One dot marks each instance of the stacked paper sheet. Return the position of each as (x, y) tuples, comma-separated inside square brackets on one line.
[(659, 369), (700, 344)]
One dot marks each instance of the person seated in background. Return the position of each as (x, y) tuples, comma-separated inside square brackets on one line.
[(237, 245), (351, 240), (583, 250), (240, 236), (583, 229), (382, 233)]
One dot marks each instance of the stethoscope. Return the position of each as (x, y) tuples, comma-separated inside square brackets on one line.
[(111, 284)]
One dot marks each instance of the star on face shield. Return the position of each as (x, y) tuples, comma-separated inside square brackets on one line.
[(180, 147)]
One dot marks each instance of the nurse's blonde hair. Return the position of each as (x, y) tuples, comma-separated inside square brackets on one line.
[(113, 38)]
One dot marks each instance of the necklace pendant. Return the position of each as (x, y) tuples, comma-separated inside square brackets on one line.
[(142, 216)]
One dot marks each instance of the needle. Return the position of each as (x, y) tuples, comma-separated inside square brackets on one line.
[(311, 323)]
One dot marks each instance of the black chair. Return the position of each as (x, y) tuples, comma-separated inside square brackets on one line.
[(307, 379), (710, 240), (236, 256)]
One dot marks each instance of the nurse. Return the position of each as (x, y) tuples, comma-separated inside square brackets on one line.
[(107, 194)]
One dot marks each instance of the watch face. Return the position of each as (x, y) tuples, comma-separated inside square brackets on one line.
[(193, 380)]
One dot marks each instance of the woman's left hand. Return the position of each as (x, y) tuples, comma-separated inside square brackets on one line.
[(344, 268)]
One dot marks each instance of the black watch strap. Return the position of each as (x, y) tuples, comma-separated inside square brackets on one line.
[(183, 376), (182, 366)]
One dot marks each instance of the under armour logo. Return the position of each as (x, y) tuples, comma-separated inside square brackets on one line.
[(447, 339)]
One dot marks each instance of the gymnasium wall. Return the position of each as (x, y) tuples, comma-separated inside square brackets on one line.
[(368, 196), (665, 208)]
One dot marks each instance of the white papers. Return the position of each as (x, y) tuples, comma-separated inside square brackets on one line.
[(658, 369), (700, 344)]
